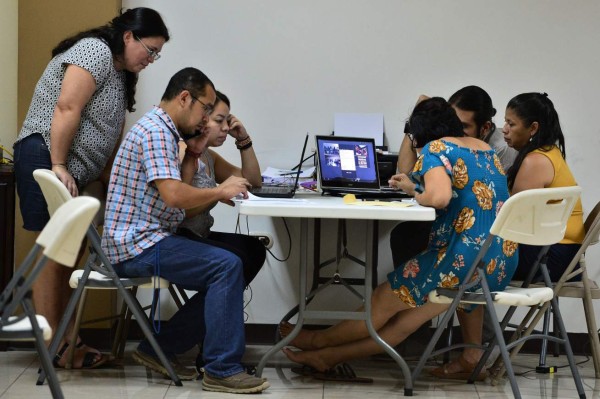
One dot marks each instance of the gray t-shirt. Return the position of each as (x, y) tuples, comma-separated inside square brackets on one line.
[(201, 223), (101, 119), (506, 154)]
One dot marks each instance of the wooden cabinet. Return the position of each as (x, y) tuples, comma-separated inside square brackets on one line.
[(7, 223)]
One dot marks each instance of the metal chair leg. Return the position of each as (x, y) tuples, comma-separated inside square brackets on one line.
[(545, 331), (448, 340), (45, 359)]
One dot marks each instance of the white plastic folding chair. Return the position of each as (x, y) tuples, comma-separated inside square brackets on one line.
[(98, 273), (59, 241), (534, 217), (585, 289)]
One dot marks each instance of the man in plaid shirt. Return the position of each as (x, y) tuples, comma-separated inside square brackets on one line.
[(146, 202)]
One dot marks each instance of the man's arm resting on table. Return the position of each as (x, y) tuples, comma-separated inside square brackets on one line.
[(177, 194)]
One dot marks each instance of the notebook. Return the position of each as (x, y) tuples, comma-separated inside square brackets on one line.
[(282, 191), (348, 165)]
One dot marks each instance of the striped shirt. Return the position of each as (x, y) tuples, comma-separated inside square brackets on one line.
[(136, 217)]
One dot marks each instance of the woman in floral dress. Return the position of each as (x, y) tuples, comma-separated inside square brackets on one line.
[(462, 178)]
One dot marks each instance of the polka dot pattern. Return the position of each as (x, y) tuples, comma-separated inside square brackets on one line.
[(101, 119)]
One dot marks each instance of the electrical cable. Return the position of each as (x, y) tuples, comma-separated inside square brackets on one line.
[(289, 247), (246, 303), (5, 160), (289, 235), (304, 160)]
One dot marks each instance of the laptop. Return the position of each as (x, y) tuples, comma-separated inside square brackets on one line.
[(282, 191), (348, 165)]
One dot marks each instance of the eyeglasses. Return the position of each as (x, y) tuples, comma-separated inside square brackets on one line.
[(408, 133), (208, 108), (151, 53)]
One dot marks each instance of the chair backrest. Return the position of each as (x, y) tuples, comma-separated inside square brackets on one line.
[(592, 232), (536, 216), (60, 241), (592, 226), (61, 237), (55, 192)]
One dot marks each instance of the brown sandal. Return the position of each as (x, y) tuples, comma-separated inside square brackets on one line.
[(467, 370)]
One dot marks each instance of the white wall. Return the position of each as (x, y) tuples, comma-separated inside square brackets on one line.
[(288, 66), (8, 72)]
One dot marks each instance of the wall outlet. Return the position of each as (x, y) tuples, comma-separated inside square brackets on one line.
[(265, 238)]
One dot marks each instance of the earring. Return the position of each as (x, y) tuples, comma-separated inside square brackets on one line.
[(531, 139)]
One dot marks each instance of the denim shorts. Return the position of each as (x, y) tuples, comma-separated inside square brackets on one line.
[(31, 153)]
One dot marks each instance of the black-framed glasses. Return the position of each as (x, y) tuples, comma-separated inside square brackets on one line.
[(151, 53), (411, 137), (208, 108)]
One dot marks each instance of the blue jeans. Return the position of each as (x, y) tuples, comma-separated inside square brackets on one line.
[(31, 153), (214, 315)]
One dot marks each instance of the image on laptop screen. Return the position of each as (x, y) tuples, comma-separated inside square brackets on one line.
[(347, 162)]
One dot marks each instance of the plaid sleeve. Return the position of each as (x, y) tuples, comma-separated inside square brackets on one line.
[(162, 161)]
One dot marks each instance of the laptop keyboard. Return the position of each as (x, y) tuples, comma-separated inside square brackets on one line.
[(270, 189)]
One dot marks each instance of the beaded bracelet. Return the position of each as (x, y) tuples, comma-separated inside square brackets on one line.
[(243, 143), (244, 147)]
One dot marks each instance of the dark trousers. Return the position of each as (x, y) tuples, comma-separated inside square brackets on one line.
[(559, 257), (248, 248)]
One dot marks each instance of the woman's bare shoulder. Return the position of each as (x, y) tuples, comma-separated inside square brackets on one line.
[(469, 142)]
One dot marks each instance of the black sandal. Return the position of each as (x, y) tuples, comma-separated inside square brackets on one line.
[(89, 359), (341, 373)]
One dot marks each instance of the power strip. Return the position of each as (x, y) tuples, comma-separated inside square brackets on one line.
[(545, 369)]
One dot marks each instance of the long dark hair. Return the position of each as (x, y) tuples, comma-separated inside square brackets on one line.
[(536, 107), (222, 97), (142, 22), (477, 100), (433, 119)]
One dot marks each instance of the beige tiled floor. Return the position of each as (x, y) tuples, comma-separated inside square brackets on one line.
[(18, 375)]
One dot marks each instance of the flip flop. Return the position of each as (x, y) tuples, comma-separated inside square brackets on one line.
[(89, 359), (467, 370), (341, 373)]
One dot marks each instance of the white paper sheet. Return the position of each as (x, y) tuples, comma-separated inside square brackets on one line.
[(360, 125)]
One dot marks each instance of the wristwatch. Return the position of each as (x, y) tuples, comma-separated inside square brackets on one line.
[(418, 188)]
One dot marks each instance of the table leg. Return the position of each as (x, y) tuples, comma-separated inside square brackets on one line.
[(301, 299), (408, 385), (371, 258)]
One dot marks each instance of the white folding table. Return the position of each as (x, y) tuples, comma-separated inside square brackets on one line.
[(307, 207)]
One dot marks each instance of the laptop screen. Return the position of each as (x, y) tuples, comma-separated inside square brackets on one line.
[(347, 162)]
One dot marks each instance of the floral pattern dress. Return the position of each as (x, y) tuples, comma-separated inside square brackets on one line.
[(479, 189)]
